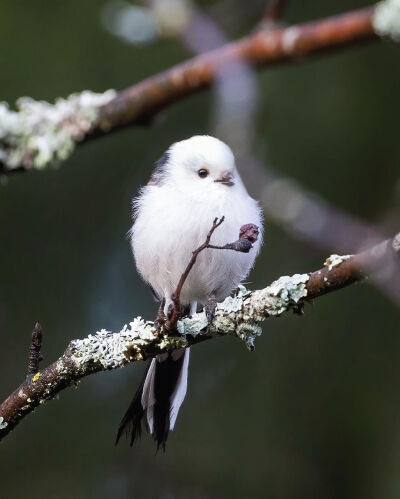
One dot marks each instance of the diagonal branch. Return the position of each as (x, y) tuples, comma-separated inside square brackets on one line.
[(147, 98), (86, 116), (239, 316)]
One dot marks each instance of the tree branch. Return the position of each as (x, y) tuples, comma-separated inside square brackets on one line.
[(239, 316), (40, 134), (147, 98)]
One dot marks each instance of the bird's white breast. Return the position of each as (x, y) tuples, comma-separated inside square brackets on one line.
[(169, 226)]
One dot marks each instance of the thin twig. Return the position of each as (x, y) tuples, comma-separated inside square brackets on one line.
[(35, 355), (274, 11), (248, 235), (176, 311)]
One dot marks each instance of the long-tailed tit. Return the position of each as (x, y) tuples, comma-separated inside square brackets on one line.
[(194, 182)]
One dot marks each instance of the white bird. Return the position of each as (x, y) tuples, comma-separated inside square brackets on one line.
[(195, 181)]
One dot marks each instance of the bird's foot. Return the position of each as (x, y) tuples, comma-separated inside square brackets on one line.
[(209, 308), (160, 319)]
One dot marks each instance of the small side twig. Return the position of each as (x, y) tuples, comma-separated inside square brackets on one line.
[(248, 235), (35, 355), (274, 12), (176, 311)]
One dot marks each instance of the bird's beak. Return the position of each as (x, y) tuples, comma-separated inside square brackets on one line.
[(226, 179)]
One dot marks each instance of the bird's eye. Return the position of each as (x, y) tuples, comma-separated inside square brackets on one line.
[(202, 173)]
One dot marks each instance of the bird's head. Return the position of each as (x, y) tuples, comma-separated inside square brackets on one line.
[(198, 164)]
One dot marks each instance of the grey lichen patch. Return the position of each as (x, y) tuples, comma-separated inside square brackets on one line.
[(39, 134), (248, 332), (112, 350), (3, 423), (240, 315), (235, 303), (278, 297), (172, 16), (396, 243), (192, 325), (335, 260), (289, 39), (21, 394), (172, 342), (227, 316), (61, 367), (386, 19), (290, 288)]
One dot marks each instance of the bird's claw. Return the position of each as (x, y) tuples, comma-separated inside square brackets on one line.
[(160, 319), (209, 309)]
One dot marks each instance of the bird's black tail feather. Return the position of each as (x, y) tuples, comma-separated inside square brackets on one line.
[(165, 382), (131, 423), (165, 387)]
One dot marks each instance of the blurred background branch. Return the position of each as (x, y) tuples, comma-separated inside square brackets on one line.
[(36, 126)]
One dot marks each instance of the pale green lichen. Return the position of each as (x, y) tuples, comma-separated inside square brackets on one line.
[(172, 16), (113, 350), (335, 260), (290, 288), (234, 303), (192, 325), (39, 134), (396, 243), (3, 424), (277, 298), (248, 332), (238, 315), (168, 343), (386, 19)]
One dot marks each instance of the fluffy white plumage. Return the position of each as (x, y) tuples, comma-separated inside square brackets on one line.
[(194, 182), (175, 212)]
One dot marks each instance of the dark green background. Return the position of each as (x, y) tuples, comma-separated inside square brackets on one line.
[(315, 410)]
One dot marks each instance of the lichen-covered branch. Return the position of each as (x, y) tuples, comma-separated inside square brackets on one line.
[(260, 49), (386, 21), (239, 316), (39, 134)]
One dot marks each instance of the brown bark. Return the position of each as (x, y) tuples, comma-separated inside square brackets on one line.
[(142, 101), (138, 104)]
